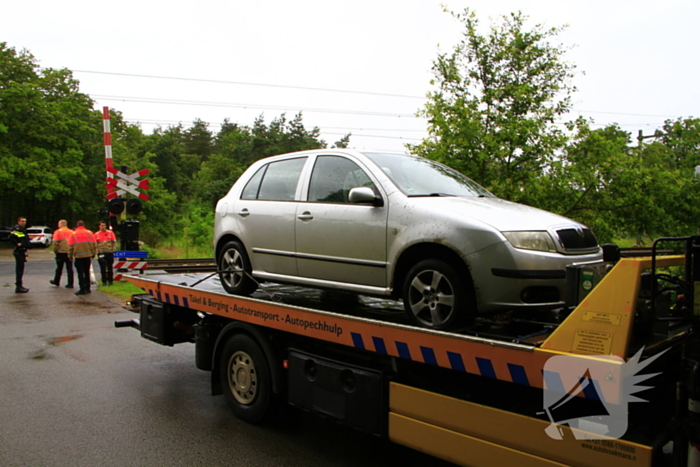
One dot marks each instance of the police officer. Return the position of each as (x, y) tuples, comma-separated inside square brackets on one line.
[(20, 239)]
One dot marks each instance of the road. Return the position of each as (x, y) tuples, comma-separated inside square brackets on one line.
[(76, 391)]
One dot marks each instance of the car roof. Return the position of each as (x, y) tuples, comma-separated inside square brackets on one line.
[(351, 152)]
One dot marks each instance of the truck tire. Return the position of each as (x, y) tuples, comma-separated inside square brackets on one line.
[(245, 379), (234, 270), (435, 296)]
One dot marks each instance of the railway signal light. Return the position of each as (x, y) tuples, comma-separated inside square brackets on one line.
[(116, 205), (133, 206)]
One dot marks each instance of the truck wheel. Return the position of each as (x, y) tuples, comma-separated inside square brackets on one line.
[(436, 297), (234, 270), (245, 378)]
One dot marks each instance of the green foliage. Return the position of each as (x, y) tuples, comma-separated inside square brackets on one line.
[(343, 142), (199, 225), (48, 135), (492, 116), (492, 113)]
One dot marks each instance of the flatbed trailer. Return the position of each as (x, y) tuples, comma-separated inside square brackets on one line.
[(474, 397)]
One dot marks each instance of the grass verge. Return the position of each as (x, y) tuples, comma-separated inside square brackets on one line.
[(120, 289)]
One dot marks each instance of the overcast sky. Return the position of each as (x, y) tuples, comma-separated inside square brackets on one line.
[(637, 60)]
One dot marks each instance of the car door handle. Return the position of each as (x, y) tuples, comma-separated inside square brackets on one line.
[(243, 213), (305, 216)]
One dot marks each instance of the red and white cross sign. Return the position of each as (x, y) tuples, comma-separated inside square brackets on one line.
[(127, 183)]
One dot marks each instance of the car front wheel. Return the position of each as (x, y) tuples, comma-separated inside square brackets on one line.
[(234, 270), (436, 297)]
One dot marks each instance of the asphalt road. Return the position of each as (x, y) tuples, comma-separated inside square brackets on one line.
[(76, 391)]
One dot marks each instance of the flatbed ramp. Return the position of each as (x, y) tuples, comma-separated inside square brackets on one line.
[(451, 424)]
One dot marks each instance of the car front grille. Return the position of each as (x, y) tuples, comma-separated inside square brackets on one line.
[(577, 239)]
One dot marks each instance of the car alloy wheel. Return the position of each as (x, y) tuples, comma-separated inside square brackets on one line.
[(434, 296), (234, 270)]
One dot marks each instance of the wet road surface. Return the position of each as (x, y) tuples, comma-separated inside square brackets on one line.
[(76, 391)]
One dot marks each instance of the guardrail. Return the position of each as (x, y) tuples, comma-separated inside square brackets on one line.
[(641, 251), (183, 265)]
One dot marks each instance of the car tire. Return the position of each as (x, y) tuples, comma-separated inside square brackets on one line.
[(246, 380), (235, 269), (435, 296)]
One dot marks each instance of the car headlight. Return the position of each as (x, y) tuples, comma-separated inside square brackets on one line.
[(538, 241)]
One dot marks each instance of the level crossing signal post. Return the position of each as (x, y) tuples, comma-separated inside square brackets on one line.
[(119, 184), (121, 211)]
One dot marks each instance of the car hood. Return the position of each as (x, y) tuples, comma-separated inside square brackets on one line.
[(498, 213)]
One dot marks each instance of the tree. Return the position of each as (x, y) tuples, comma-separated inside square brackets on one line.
[(343, 142), (236, 147), (199, 140), (282, 136), (619, 190), (49, 134), (492, 114), (682, 138)]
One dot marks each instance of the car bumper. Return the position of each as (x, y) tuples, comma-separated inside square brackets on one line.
[(507, 278)]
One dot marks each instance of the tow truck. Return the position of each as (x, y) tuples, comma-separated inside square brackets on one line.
[(610, 379)]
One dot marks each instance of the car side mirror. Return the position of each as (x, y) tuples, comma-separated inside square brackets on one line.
[(364, 195)]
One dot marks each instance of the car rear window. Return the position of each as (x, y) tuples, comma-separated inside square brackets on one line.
[(279, 181)]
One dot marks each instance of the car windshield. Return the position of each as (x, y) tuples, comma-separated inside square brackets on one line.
[(416, 176)]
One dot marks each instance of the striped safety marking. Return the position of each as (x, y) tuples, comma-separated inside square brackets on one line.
[(111, 192), (510, 363), (173, 299), (131, 265), (484, 366)]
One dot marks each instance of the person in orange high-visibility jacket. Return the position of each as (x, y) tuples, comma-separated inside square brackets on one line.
[(60, 249), (81, 249), (106, 245)]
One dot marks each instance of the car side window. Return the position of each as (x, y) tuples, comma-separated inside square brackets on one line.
[(279, 183), (333, 177), (253, 186)]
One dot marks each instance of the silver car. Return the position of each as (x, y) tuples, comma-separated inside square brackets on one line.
[(393, 225)]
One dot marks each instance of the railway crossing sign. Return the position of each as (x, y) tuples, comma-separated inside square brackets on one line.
[(127, 183)]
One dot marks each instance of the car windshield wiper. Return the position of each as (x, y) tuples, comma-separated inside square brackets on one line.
[(429, 194)]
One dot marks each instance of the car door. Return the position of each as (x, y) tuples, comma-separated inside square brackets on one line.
[(335, 239), (266, 216)]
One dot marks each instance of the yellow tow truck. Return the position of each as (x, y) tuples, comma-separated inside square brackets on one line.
[(612, 379)]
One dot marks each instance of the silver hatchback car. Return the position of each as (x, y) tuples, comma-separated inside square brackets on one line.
[(393, 225)]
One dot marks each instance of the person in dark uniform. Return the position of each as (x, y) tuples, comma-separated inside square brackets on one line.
[(20, 240)]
